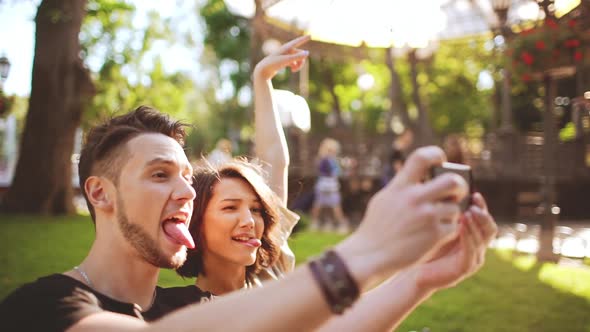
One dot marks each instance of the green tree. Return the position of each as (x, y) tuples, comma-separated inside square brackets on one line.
[(60, 88), (68, 32)]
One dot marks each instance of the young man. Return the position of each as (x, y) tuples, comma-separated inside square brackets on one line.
[(136, 180)]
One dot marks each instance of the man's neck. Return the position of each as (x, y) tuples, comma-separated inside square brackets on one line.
[(221, 277), (118, 273)]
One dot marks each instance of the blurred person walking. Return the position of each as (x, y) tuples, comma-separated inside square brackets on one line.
[(327, 188)]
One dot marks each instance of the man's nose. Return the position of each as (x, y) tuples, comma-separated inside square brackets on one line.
[(184, 190)]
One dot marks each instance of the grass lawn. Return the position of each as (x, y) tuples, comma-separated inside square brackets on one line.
[(509, 294)]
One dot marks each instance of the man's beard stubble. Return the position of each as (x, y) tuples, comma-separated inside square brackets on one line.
[(145, 245)]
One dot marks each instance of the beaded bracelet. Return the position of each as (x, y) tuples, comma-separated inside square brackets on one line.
[(335, 280)]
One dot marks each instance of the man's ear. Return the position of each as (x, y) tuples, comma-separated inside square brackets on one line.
[(99, 193)]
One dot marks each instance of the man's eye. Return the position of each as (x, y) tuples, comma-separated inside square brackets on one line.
[(160, 175)]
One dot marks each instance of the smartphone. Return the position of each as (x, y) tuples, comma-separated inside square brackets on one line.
[(462, 170)]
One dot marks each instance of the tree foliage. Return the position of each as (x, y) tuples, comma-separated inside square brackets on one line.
[(129, 74), (454, 98)]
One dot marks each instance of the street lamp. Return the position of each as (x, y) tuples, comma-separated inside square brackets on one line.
[(501, 9), (4, 70)]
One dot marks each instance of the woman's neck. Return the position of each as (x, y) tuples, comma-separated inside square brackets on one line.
[(221, 278)]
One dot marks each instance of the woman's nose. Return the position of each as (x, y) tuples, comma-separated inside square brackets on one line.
[(247, 219)]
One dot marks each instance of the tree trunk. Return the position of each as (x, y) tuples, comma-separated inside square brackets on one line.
[(60, 86), (398, 106), (328, 80), (425, 132), (256, 37)]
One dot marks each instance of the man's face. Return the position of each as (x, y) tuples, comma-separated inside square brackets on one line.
[(155, 199)]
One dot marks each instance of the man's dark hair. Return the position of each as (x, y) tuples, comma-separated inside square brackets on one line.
[(104, 151), (205, 178)]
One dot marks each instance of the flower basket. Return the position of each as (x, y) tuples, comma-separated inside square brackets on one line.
[(555, 47)]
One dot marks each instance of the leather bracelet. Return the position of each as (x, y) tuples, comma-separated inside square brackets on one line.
[(332, 275)]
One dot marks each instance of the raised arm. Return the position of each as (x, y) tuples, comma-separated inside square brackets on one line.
[(270, 143), (406, 222)]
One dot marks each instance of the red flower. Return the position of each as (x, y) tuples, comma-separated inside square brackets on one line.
[(540, 45), (526, 77), (551, 23), (527, 31), (527, 58), (571, 43), (571, 23), (578, 56)]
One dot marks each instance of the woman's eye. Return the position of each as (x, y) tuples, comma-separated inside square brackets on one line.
[(257, 210), (229, 208)]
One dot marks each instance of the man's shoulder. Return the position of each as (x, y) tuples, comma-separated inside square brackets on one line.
[(56, 301), (44, 286)]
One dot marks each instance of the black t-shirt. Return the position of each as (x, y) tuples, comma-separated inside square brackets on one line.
[(178, 297), (56, 302)]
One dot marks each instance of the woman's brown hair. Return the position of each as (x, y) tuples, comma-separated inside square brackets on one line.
[(205, 178)]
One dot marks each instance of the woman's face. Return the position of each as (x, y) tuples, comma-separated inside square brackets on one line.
[(232, 224)]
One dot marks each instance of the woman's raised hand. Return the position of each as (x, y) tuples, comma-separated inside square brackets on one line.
[(288, 55)]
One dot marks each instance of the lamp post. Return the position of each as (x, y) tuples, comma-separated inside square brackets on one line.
[(9, 124), (506, 133), (501, 8)]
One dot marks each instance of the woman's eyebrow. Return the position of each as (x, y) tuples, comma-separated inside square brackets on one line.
[(231, 199)]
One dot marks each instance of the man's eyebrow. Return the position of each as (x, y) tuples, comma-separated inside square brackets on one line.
[(168, 162), (157, 161)]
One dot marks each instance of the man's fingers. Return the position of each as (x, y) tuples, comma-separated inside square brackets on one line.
[(446, 217), (293, 43), (485, 222), (447, 186), (418, 165), (474, 229), (479, 201)]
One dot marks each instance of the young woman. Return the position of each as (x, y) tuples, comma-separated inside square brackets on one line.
[(240, 221)]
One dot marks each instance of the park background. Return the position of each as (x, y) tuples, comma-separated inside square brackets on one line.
[(511, 79)]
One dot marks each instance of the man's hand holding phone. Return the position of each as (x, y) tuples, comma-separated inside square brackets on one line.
[(462, 170)]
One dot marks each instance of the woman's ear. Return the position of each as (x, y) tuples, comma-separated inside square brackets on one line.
[(97, 191)]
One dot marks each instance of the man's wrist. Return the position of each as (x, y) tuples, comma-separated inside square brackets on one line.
[(365, 267), (420, 288)]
